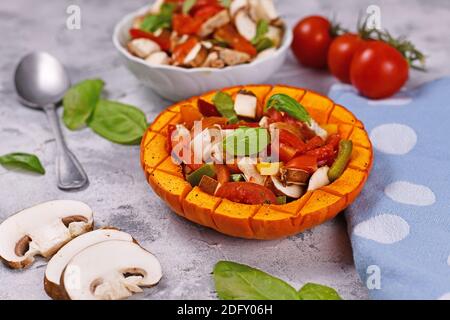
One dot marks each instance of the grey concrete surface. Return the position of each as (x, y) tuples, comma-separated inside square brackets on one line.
[(118, 191)]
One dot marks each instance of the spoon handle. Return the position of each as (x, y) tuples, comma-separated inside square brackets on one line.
[(69, 172)]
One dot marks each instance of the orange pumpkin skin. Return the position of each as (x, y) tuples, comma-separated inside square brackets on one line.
[(264, 222)]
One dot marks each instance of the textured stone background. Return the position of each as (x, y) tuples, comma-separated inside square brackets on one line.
[(118, 192)]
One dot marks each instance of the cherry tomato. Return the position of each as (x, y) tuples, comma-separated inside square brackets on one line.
[(312, 39), (324, 154), (247, 193), (305, 162), (341, 53), (378, 70), (286, 152), (314, 143)]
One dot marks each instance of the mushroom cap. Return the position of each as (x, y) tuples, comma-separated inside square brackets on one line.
[(42, 230), (110, 270), (59, 261)]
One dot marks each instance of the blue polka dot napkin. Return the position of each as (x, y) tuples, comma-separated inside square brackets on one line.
[(400, 224)]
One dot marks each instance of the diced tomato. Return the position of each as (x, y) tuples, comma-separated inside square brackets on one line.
[(324, 154), (287, 137), (274, 115), (305, 162), (247, 193), (208, 109), (212, 121), (189, 115), (223, 173), (285, 152), (185, 24), (181, 51), (334, 140), (314, 143), (163, 40), (229, 34)]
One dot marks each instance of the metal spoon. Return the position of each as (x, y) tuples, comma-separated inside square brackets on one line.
[(41, 82)]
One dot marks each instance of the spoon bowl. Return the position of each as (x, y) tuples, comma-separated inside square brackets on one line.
[(41, 82)]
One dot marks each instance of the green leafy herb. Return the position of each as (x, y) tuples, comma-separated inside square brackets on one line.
[(187, 5), (163, 20), (246, 141), (261, 30), (23, 161), (235, 281), (313, 291), (263, 44), (79, 102), (118, 122), (225, 3), (285, 103), (225, 105)]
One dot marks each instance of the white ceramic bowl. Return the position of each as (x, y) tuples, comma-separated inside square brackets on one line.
[(176, 83)]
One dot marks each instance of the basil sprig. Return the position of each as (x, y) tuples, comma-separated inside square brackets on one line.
[(234, 281), (79, 102), (117, 122), (163, 20), (225, 105), (285, 103), (246, 141), (25, 161), (260, 41)]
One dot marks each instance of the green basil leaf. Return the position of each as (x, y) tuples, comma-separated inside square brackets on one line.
[(261, 30), (163, 20), (225, 105), (79, 102), (314, 291), (235, 281), (246, 141), (187, 5), (225, 3), (117, 122), (285, 103), (263, 44), (23, 161)]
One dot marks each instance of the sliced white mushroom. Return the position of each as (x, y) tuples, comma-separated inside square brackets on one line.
[(245, 104), (264, 122), (219, 20), (266, 53), (275, 34), (59, 261), (158, 58), (263, 10), (233, 57), (196, 57), (42, 230), (292, 191), (317, 129), (237, 5), (110, 270), (251, 174), (156, 7), (143, 47), (245, 25), (319, 179)]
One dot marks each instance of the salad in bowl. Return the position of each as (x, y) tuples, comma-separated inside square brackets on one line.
[(206, 33)]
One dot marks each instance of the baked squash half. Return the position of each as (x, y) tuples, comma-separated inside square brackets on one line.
[(272, 198)]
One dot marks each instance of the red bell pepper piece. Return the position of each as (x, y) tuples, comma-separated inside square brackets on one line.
[(181, 51), (287, 137), (230, 35)]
